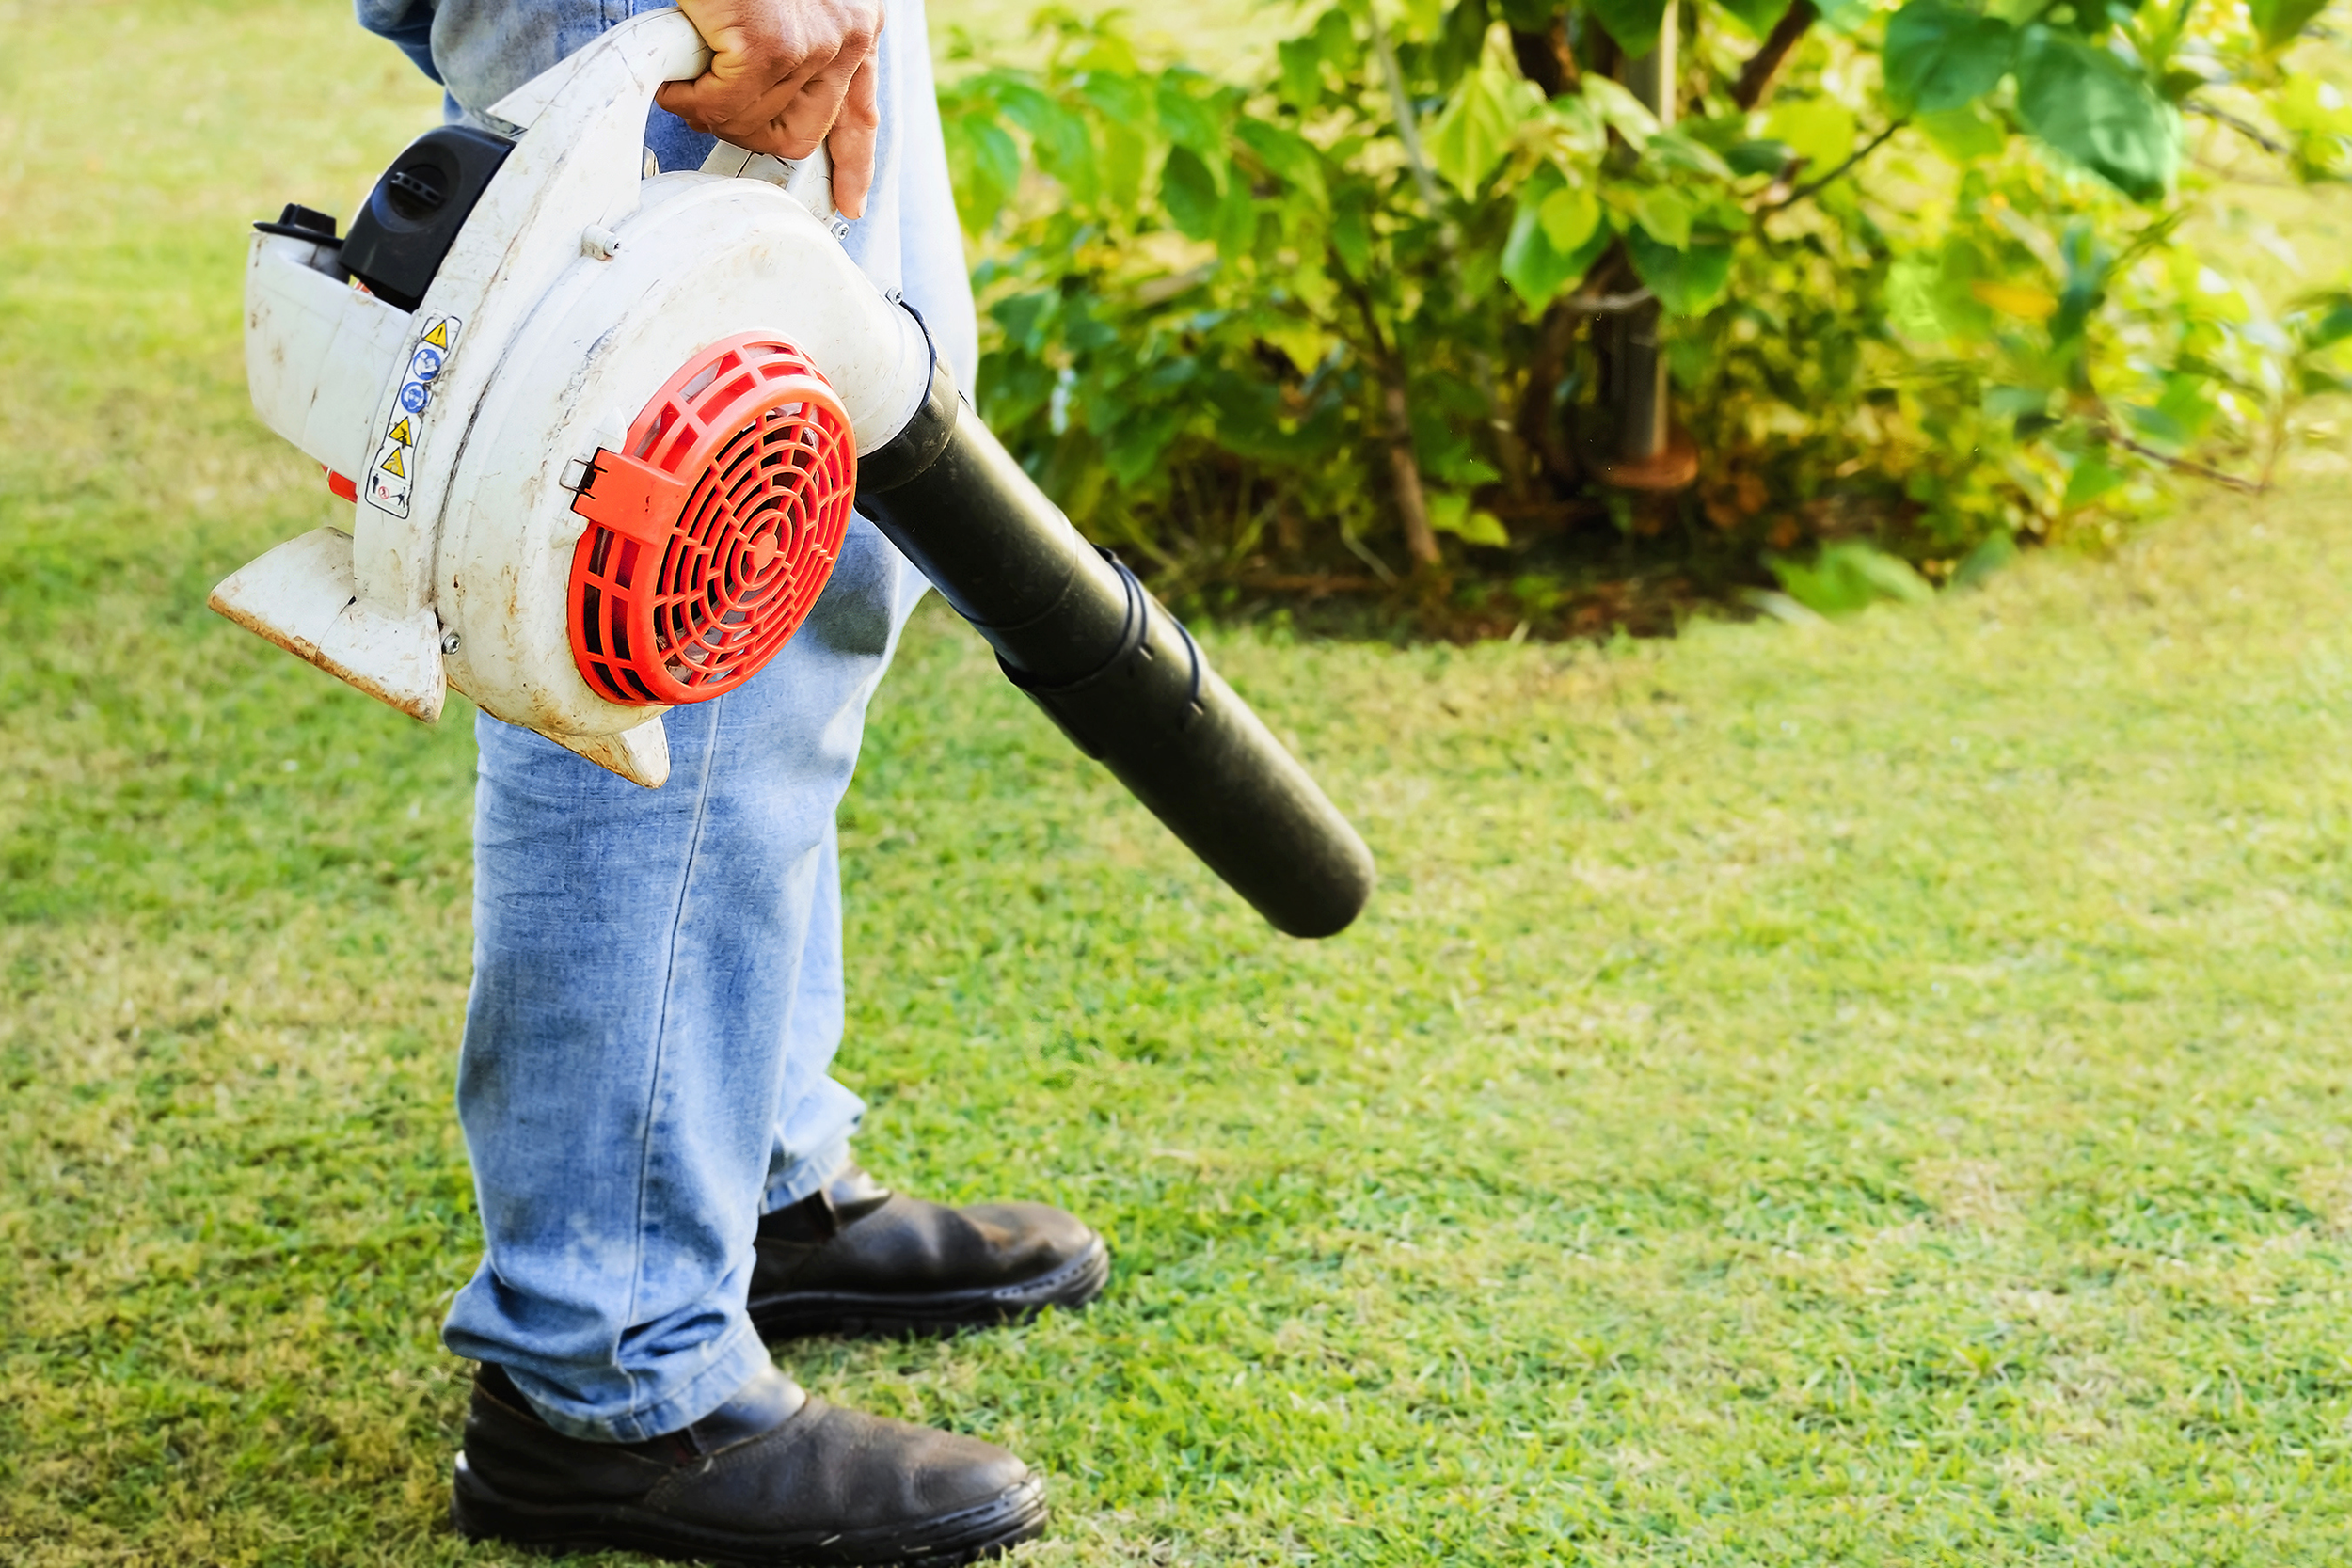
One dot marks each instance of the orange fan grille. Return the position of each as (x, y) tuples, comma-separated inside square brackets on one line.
[(712, 536)]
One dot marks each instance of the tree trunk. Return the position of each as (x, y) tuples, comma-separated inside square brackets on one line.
[(1540, 413), (1755, 77), (1643, 418), (1546, 59), (1412, 507)]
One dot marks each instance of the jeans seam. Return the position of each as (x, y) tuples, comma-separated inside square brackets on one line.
[(662, 1038), (739, 1343)]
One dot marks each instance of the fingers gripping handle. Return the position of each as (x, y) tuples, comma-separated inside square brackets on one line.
[(633, 60)]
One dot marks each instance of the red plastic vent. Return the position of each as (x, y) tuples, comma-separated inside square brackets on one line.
[(712, 536)]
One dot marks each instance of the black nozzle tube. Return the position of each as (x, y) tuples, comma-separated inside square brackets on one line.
[(1123, 678)]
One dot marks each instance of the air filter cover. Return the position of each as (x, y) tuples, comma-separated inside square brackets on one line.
[(711, 535)]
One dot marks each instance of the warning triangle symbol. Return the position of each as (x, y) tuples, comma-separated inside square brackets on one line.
[(439, 337), (392, 465), (400, 433)]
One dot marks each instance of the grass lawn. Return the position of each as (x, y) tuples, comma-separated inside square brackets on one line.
[(1865, 1094)]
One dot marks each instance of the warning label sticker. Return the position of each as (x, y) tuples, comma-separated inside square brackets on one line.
[(392, 479)]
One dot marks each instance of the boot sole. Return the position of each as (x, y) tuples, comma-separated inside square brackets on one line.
[(478, 1512), (797, 1314)]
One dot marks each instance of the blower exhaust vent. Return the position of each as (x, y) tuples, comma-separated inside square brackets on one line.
[(713, 533)]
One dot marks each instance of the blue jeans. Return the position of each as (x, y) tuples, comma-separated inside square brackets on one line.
[(658, 986)]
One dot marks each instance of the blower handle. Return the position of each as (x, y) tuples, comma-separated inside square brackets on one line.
[(648, 48), (685, 55), (630, 63)]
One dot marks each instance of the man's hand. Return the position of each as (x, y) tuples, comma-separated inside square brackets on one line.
[(787, 75)]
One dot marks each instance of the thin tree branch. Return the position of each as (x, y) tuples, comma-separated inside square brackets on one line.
[(1412, 504), (1755, 77), (1813, 187), (2110, 433), (1607, 305), (1401, 103), (2244, 128), (1363, 552)]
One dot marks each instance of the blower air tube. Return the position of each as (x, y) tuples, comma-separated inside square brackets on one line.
[(1121, 676)]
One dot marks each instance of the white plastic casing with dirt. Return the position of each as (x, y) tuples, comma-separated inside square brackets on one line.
[(576, 287)]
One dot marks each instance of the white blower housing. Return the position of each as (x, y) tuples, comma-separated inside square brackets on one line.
[(601, 432), (595, 354)]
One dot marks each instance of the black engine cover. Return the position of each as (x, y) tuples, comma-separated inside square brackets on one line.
[(412, 217)]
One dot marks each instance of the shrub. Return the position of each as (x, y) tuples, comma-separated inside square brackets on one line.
[(1923, 277)]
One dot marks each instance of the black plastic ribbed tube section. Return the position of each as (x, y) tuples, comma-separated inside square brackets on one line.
[(1076, 632)]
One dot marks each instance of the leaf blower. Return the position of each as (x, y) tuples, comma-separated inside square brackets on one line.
[(601, 430)]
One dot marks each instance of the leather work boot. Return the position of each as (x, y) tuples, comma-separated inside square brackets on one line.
[(773, 1476), (858, 1258)]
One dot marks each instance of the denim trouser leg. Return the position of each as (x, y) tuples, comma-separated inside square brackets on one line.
[(658, 988)]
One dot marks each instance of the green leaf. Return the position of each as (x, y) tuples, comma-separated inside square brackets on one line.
[(1529, 16), (2101, 113), (1452, 512), (1288, 157), (1459, 43), (2177, 84), (1467, 140), (2154, 424), (1960, 268), (1756, 16), (1027, 318), (1758, 157), (1351, 237), (1189, 193), (1302, 73), (2279, 23), (1965, 136), (2334, 328), (1939, 55), (1994, 553), (984, 164), (1892, 576), (2092, 478), (2188, 404), (1123, 164), (1633, 24), (1137, 441), (1674, 151), (1536, 268), (1847, 577), (1188, 121), (1237, 218), (2015, 403), (1664, 215), (1619, 110), (1063, 144), (1121, 98), (1335, 36), (1687, 282), (1570, 216), (1910, 290), (1014, 388), (1821, 129)]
